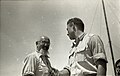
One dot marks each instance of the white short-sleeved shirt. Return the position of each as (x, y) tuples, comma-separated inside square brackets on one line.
[(34, 65), (83, 57)]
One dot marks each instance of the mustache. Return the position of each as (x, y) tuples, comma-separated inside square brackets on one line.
[(45, 47)]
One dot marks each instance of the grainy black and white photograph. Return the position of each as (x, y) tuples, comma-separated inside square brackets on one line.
[(60, 38)]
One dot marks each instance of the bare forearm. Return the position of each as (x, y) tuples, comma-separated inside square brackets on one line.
[(28, 75), (101, 71), (64, 72), (101, 68)]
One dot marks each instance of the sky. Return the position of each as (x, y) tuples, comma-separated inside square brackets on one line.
[(23, 21)]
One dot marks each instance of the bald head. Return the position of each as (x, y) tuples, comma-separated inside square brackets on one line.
[(43, 43), (44, 38)]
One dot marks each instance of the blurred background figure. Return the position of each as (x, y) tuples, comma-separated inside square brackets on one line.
[(117, 65)]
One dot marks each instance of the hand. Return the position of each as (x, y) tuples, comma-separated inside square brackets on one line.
[(54, 72)]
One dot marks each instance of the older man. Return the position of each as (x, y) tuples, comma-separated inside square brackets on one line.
[(37, 63)]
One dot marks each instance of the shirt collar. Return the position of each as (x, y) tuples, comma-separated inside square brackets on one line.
[(80, 38), (39, 54)]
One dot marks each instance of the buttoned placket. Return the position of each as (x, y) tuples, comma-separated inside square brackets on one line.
[(76, 60), (74, 49), (75, 56)]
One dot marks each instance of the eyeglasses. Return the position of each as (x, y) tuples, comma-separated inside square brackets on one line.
[(38, 42)]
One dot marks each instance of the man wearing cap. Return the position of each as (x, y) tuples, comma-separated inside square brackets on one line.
[(87, 55), (37, 63)]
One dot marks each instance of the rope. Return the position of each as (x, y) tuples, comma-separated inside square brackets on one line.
[(113, 4), (94, 17), (115, 45), (111, 9), (100, 18)]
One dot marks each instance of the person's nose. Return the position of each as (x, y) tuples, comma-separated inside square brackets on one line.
[(46, 44), (68, 34)]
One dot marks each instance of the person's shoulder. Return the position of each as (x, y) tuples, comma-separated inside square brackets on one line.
[(31, 55), (94, 36)]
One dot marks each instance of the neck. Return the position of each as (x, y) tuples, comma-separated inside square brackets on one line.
[(43, 52), (39, 50), (78, 33)]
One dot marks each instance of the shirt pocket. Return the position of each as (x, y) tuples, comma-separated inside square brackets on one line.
[(84, 54), (45, 69), (80, 56), (80, 53)]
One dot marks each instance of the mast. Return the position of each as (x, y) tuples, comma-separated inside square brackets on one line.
[(109, 36)]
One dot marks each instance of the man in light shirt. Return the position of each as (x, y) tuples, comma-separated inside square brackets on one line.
[(37, 63), (87, 55)]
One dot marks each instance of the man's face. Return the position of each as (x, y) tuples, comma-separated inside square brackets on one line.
[(43, 44), (71, 32)]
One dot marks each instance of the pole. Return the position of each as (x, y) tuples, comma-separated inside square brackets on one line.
[(109, 36)]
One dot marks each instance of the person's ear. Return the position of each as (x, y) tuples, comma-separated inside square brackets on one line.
[(73, 26)]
